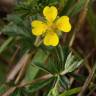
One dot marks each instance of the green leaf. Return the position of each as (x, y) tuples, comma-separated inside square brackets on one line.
[(17, 26), (72, 63), (56, 61), (60, 55), (32, 69), (38, 85), (48, 65), (64, 82), (71, 92), (53, 92), (69, 60), (14, 18), (31, 73), (13, 30)]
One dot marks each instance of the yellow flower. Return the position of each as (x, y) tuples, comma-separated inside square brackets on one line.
[(49, 29)]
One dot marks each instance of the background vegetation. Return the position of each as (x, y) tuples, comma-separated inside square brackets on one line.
[(66, 70)]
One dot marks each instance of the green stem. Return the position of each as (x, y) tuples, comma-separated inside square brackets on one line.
[(38, 41)]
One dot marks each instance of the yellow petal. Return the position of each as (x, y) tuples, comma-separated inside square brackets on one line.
[(51, 38), (63, 24), (38, 27), (50, 13)]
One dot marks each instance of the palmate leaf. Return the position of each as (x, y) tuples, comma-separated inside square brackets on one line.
[(55, 61), (17, 27), (23, 38), (48, 64), (24, 23), (20, 30), (66, 61), (14, 30), (50, 68), (70, 63), (59, 60)]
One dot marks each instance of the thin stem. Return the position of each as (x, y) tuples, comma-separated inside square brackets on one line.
[(38, 41)]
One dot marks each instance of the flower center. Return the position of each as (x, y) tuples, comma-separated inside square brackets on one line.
[(51, 26)]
